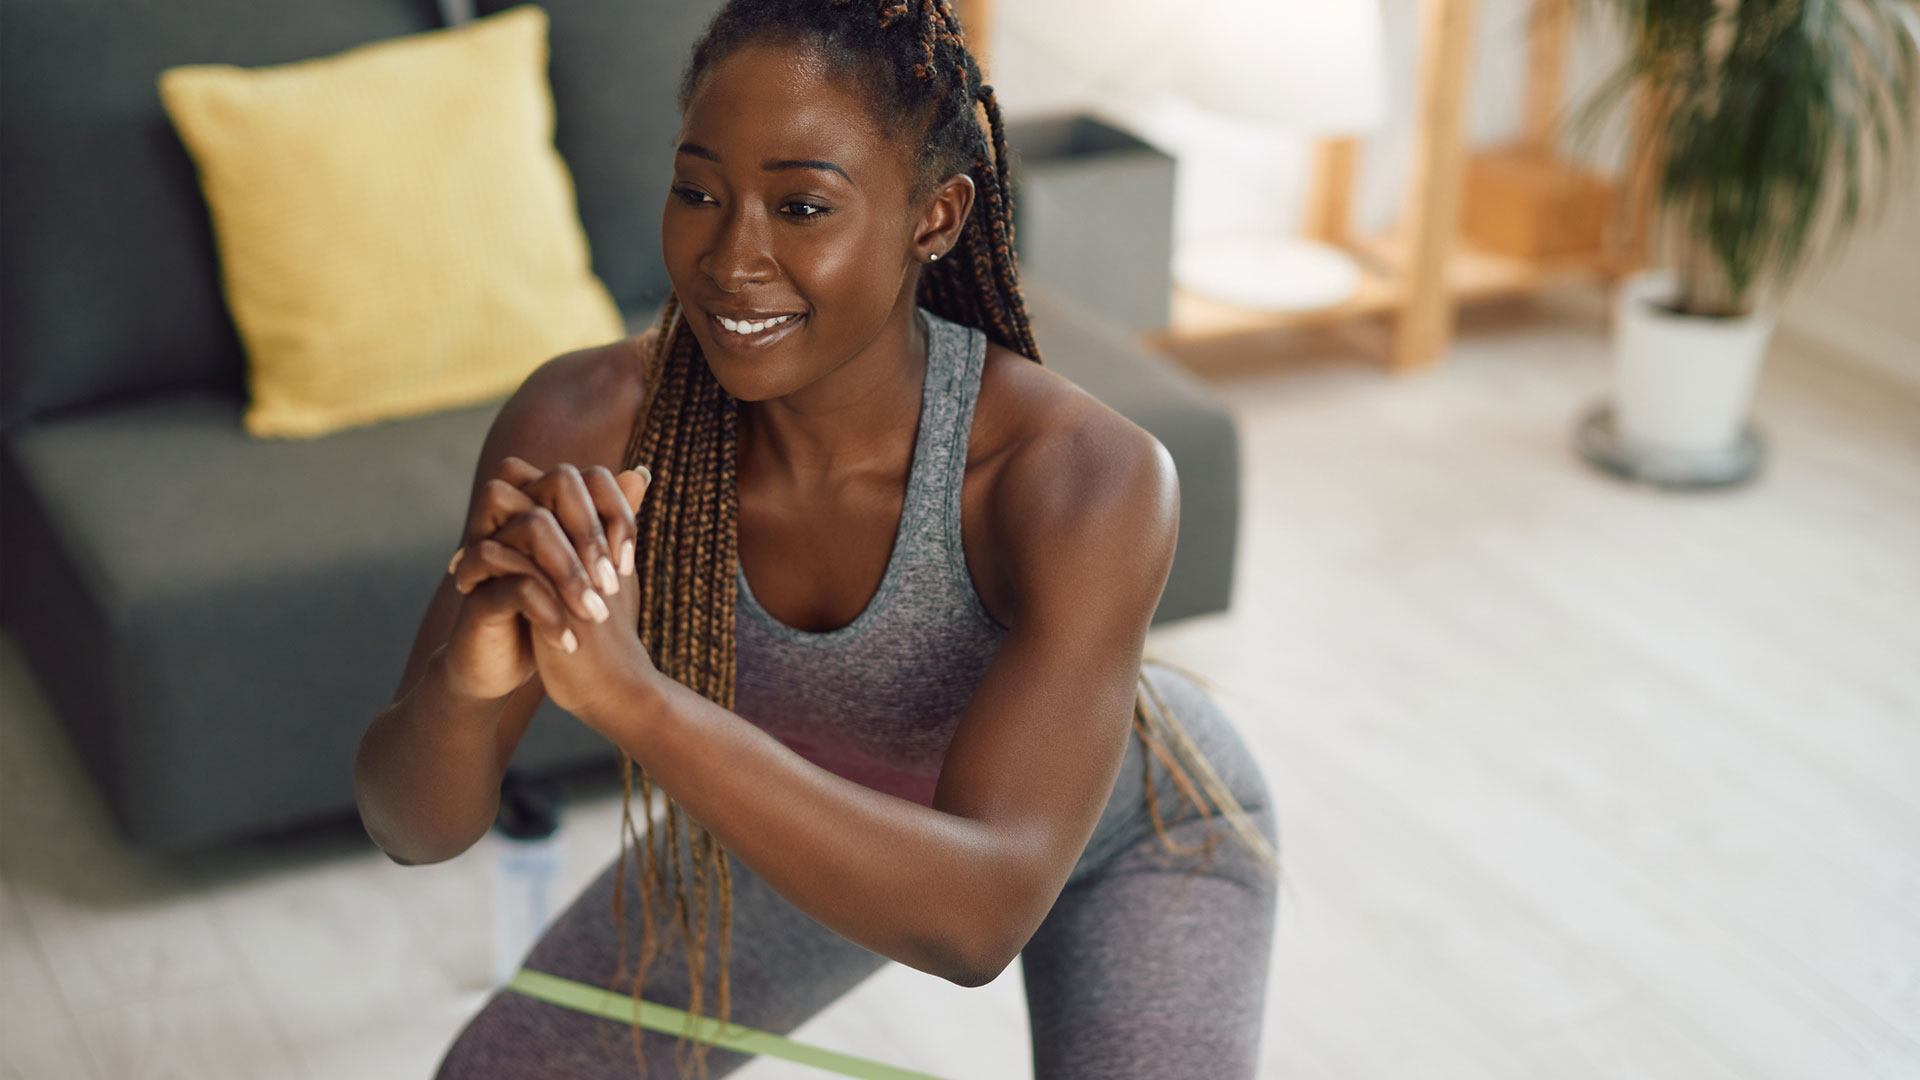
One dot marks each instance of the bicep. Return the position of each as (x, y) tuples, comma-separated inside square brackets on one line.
[(1040, 744)]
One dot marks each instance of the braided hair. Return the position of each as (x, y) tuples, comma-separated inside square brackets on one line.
[(911, 61)]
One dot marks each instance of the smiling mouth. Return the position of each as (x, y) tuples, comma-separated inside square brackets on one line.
[(750, 332)]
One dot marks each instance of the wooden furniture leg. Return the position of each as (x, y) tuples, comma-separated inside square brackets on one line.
[(1549, 33), (1427, 313), (1329, 216)]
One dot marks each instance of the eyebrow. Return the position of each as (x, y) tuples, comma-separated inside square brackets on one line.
[(770, 166)]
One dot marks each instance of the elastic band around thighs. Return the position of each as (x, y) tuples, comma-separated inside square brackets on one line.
[(664, 1018)]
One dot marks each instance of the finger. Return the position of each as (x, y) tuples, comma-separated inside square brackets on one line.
[(538, 535), (533, 599), (616, 517), (634, 484), (500, 501), (563, 491), (488, 558), (518, 471)]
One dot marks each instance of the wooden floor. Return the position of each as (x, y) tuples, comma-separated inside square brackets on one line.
[(1575, 778)]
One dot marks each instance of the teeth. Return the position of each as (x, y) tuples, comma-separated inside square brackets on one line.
[(739, 327)]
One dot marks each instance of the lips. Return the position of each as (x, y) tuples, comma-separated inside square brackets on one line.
[(735, 339)]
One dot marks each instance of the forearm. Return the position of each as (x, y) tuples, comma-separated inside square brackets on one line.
[(426, 778), (909, 882)]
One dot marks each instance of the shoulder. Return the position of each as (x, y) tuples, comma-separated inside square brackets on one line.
[(578, 407), (1078, 480)]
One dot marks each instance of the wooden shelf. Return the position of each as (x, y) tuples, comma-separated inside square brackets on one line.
[(1471, 276), (1417, 275)]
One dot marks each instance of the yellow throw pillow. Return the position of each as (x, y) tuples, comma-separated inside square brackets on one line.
[(397, 233)]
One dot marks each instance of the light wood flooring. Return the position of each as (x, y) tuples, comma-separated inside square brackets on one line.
[(1575, 778)]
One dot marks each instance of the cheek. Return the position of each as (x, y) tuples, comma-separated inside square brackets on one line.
[(678, 245), (861, 270)]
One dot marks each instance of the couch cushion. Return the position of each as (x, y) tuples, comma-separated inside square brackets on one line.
[(397, 234), (108, 279), (170, 495), (216, 617), (615, 66)]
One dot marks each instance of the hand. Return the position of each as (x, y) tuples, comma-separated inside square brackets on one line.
[(609, 667), (536, 529)]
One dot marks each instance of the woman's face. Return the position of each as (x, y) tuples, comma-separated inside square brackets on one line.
[(786, 201)]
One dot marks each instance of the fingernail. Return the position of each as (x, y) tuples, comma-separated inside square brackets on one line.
[(597, 606), (626, 557), (609, 580), (646, 472), (455, 561), (568, 641)]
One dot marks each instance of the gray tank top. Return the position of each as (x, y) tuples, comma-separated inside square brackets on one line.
[(877, 700)]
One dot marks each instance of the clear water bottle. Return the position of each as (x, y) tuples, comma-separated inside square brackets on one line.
[(528, 855)]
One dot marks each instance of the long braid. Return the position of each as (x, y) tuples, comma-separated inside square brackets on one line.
[(929, 95)]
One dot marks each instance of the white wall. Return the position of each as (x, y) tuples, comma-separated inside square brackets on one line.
[(1867, 302), (1060, 54)]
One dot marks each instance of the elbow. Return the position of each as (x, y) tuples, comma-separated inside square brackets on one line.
[(972, 978), (984, 941), (959, 958), (977, 956), (978, 968)]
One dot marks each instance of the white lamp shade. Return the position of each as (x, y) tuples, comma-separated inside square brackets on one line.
[(1311, 66), (1314, 67)]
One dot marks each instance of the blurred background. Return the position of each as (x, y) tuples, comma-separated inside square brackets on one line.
[(1544, 378)]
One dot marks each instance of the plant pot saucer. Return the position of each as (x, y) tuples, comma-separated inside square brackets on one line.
[(1600, 444)]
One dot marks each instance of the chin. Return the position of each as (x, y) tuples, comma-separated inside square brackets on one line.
[(744, 380)]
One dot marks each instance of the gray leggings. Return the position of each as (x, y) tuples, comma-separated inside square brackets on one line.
[(1138, 971)]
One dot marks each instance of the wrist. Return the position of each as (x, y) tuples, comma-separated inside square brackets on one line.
[(451, 696), (627, 712)]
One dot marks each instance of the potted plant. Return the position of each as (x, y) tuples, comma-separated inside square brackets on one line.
[(1766, 131)]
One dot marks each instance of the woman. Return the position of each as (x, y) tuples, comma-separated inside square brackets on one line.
[(892, 579)]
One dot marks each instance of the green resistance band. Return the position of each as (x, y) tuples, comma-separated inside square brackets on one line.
[(664, 1018)]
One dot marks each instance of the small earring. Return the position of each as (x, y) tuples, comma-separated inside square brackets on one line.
[(933, 256)]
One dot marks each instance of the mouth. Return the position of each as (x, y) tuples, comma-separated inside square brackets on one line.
[(736, 334)]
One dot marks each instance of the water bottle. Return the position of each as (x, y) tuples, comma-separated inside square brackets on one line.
[(527, 858)]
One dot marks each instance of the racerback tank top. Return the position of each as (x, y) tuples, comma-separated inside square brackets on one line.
[(877, 700)]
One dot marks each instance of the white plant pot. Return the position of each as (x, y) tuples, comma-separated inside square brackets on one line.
[(1682, 383)]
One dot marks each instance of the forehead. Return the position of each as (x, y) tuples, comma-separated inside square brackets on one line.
[(774, 100)]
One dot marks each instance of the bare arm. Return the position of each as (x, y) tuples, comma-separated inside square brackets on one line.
[(956, 889), (428, 769)]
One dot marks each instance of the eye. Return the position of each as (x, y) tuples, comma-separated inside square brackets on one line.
[(689, 195), (818, 210)]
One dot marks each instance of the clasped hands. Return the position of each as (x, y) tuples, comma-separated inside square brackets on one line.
[(551, 585)]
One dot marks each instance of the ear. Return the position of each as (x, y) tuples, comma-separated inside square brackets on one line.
[(944, 217)]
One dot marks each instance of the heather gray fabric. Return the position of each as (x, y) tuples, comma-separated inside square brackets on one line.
[(1139, 970), (862, 700), (1143, 969)]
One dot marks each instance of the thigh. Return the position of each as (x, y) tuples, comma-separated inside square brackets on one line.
[(785, 967), (1153, 964)]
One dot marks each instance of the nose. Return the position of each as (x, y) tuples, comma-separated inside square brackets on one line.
[(741, 250)]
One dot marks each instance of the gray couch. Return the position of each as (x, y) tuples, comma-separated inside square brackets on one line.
[(216, 618)]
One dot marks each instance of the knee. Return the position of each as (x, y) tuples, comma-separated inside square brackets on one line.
[(487, 1044)]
